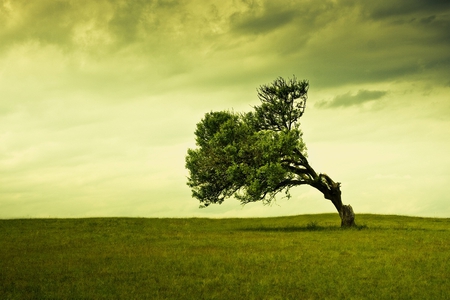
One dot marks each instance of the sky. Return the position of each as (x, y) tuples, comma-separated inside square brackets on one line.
[(99, 101)]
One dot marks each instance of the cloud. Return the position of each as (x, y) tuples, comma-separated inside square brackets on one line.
[(348, 99), (261, 23), (331, 43), (399, 8)]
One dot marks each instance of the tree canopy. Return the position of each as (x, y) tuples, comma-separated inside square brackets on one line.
[(256, 155)]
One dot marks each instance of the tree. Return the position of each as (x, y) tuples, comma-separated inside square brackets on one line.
[(256, 155)]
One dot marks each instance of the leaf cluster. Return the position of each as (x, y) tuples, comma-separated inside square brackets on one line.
[(282, 104)]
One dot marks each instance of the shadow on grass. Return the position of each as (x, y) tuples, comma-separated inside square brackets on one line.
[(315, 227), (311, 226)]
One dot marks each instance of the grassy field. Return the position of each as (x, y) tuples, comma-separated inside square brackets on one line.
[(300, 257)]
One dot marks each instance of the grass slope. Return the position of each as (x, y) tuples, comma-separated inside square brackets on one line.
[(300, 257)]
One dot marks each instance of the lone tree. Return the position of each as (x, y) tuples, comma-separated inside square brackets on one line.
[(256, 155)]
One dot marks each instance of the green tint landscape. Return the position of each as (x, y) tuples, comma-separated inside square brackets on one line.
[(299, 257)]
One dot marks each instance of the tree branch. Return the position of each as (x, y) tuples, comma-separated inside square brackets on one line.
[(306, 164), (298, 171), (291, 183)]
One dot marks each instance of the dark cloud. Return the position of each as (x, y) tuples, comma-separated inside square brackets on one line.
[(260, 24), (59, 22), (331, 43), (348, 99), (405, 8), (430, 18), (126, 19), (44, 21)]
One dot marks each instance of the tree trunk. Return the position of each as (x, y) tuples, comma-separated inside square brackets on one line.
[(345, 211), (332, 191), (347, 216)]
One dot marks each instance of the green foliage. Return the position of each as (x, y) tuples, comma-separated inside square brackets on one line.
[(282, 104), (251, 156), (394, 257)]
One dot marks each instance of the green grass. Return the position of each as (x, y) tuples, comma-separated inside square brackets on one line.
[(301, 257)]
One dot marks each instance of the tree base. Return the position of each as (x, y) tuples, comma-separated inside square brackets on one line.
[(347, 216)]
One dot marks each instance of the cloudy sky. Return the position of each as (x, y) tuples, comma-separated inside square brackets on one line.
[(99, 101)]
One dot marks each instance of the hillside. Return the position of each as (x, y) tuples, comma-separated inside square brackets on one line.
[(299, 257)]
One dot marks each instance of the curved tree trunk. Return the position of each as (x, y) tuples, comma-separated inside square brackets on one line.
[(332, 191), (345, 212)]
